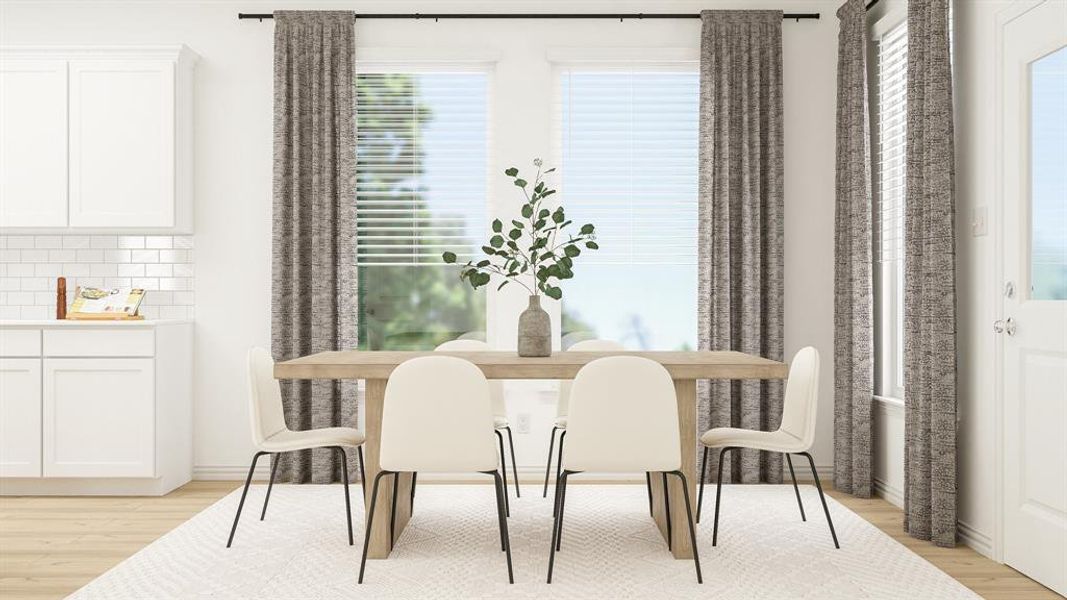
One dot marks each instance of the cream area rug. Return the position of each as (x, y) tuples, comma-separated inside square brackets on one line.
[(451, 549)]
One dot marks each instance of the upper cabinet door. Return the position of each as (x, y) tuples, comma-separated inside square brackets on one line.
[(122, 143), (33, 143)]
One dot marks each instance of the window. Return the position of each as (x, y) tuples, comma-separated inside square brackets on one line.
[(629, 165), (421, 164), (1048, 182), (890, 183)]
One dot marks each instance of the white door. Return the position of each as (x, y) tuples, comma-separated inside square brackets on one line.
[(33, 143), (20, 417), (1033, 324), (121, 143), (99, 416)]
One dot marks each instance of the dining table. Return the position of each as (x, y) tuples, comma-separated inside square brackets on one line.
[(685, 368)]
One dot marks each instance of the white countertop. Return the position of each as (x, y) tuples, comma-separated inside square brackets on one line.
[(16, 323)]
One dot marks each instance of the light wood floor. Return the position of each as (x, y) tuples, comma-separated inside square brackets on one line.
[(51, 546)]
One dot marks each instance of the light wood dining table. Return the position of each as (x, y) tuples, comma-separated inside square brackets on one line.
[(685, 369)]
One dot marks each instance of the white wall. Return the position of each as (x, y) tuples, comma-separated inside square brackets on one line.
[(233, 156)]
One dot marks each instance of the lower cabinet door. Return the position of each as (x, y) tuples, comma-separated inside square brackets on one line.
[(20, 417), (99, 417)]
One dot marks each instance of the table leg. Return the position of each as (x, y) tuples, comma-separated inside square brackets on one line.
[(380, 545), (686, 391)]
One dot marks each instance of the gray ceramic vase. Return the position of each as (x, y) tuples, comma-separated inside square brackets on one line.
[(535, 330)]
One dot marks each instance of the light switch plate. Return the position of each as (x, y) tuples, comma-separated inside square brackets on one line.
[(979, 221)]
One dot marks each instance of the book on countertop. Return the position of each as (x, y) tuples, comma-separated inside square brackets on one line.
[(113, 304)]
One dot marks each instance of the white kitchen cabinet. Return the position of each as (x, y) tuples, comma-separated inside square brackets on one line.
[(96, 140), (98, 417), (33, 143), (20, 417), (95, 408)]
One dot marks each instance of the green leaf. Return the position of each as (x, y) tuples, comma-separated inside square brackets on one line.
[(571, 250), (512, 245), (547, 193), (449, 257), (558, 216), (515, 234), (540, 224), (502, 284), (539, 187), (482, 264), (497, 226), (592, 245), (511, 172), (553, 292), (496, 241), (566, 262), (520, 183), (483, 278), (586, 229), (488, 250), (550, 170), (527, 211), (518, 224), (543, 213)]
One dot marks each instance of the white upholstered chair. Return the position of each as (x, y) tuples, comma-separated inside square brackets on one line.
[(560, 424), (436, 417), (272, 436), (500, 411), (795, 435), (623, 418)]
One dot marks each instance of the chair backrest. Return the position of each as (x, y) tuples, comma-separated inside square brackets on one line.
[(623, 418), (437, 417), (583, 346), (801, 396), (264, 396), (496, 386)]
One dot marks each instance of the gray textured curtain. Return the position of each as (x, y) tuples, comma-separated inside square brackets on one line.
[(740, 282), (313, 306), (853, 303), (930, 282)]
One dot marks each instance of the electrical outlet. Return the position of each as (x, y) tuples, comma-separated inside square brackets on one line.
[(523, 423)]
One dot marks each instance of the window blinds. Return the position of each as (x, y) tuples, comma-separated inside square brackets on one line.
[(421, 164), (629, 161), (890, 157)]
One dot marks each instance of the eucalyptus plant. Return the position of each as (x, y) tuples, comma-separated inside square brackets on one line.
[(536, 249)]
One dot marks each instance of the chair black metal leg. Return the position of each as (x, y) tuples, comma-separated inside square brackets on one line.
[(822, 497), (348, 501), (796, 489), (362, 474), (370, 522), (718, 498), (548, 465), (648, 485), (557, 525), (414, 478), (502, 521), (692, 531), (504, 470), (667, 508), (559, 466), (562, 503), (270, 486), (241, 504), (703, 476), (392, 511), (514, 465)]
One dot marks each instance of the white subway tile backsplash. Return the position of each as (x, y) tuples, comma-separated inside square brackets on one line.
[(144, 256), (76, 241), (90, 256), (131, 241), (48, 241), (29, 266), (63, 256), (158, 241), (104, 242)]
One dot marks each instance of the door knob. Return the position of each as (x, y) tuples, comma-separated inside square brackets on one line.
[(1009, 326), (998, 326)]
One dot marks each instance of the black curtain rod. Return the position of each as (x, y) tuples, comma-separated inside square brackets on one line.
[(619, 16)]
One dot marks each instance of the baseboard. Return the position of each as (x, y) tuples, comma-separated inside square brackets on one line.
[(889, 493), (231, 473), (974, 539)]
